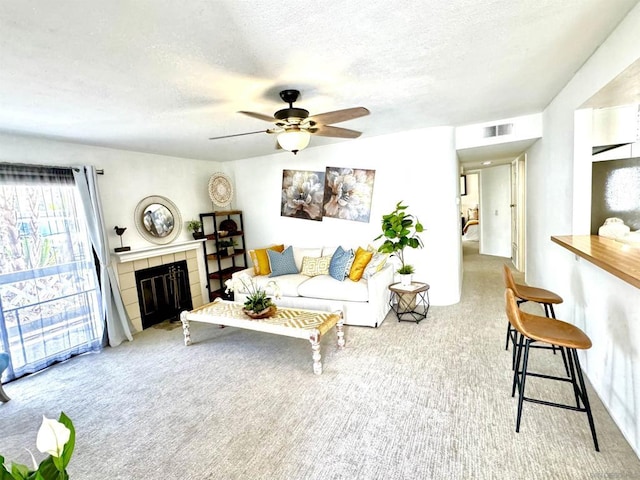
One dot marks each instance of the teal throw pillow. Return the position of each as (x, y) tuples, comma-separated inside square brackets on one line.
[(282, 263), (341, 263)]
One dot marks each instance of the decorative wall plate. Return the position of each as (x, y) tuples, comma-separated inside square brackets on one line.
[(220, 189)]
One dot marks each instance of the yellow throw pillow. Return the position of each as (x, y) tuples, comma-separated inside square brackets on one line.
[(260, 259), (360, 262), (312, 266)]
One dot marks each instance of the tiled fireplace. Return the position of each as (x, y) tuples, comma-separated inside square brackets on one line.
[(127, 263)]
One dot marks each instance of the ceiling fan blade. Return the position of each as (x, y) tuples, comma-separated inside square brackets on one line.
[(239, 134), (339, 115), (259, 116), (327, 131)]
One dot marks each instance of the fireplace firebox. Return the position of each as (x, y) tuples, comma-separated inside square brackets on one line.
[(163, 292)]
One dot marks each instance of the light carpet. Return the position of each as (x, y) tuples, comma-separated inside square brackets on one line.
[(403, 401)]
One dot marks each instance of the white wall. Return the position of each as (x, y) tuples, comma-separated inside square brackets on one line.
[(128, 178), (495, 213), (558, 167), (615, 125), (418, 167), (525, 127)]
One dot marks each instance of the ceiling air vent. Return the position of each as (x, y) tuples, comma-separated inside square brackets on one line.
[(498, 130)]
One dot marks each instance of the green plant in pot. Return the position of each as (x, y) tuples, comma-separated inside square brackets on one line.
[(400, 230), (258, 303), (226, 247), (57, 438), (195, 227)]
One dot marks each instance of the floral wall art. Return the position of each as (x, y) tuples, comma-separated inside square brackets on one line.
[(348, 193), (302, 194)]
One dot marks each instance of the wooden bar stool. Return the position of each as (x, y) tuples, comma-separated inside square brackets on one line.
[(535, 328), (525, 293)]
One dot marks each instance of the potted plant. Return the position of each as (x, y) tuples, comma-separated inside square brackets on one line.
[(195, 226), (57, 438), (400, 230), (258, 303), (226, 247)]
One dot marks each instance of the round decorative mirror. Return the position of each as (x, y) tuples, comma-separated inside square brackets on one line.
[(158, 219)]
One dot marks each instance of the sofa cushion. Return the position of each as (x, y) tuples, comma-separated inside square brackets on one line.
[(282, 263), (340, 263), (260, 259), (288, 283), (313, 266), (300, 253), (360, 262), (327, 287), (377, 263)]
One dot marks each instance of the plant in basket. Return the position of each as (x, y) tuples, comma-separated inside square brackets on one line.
[(258, 303)]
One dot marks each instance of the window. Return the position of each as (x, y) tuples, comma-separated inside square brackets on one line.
[(49, 293)]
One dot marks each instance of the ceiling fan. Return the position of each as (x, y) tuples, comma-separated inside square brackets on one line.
[(294, 126)]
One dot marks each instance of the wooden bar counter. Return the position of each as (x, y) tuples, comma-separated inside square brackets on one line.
[(617, 258)]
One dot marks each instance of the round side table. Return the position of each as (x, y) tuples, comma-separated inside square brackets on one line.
[(410, 303)]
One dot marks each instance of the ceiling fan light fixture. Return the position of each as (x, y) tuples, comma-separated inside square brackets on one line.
[(294, 127), (294, 140)]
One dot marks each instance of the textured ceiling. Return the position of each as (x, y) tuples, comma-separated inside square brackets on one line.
[(163, 76)]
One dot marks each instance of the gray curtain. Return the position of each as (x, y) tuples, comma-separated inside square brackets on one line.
[(117, 323)]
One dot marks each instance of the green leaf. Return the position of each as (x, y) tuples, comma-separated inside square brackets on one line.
[(386, 247), (400, 231), (19, 471), (390, 233), (406, 270), (48, 470), (67, 451), (5, 474), (2, 467)]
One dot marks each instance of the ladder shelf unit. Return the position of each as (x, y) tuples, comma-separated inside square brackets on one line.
[(221, 259)]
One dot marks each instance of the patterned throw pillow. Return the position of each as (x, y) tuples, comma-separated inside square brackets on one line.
[(260, 259), (312, 266), (378, 261), (282, 263), (361, 260), (300, 252), (340, 263)]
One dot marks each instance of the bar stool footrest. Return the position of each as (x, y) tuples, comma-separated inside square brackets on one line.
[(553, 404)]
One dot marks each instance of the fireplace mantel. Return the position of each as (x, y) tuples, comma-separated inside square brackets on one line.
[(156, 251)]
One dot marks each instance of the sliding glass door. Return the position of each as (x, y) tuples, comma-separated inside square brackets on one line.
[(49, 293)]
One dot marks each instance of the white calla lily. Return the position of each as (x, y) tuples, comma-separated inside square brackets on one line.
[(52, 437)]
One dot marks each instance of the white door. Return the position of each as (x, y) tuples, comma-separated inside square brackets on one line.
[(518, 190), (495, 214), (514, 212)]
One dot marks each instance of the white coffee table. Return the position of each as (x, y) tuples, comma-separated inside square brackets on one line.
[(310, 325)]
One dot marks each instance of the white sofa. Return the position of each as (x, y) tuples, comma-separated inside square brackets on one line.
[(363, 303)]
